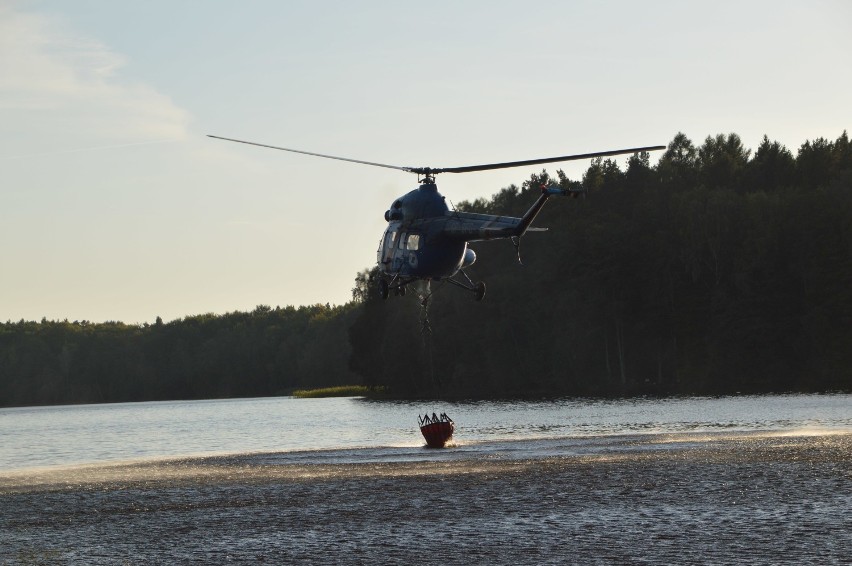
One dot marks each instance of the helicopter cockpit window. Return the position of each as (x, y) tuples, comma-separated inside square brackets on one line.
[(413, 242), (402, 241)]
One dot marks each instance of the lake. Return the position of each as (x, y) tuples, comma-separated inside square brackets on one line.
[(337, 429), (732, 480)]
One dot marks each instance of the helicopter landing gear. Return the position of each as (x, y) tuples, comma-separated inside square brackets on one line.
[(479, 291), (396, 284)]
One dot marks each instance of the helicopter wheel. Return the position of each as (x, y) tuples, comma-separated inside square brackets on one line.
[(402, 291), (383, 289), (479, 291)]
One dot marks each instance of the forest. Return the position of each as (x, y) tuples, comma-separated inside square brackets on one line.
[(716, 271)]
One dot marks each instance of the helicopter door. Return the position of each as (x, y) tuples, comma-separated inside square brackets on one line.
[(399, 252), (388, 247), (412, 244)]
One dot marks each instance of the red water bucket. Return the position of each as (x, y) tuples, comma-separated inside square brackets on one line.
[(437, 432)]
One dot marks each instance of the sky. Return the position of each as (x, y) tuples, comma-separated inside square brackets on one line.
[(114, 205)]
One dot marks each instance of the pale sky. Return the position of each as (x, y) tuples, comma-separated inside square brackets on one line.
[(115, 206)]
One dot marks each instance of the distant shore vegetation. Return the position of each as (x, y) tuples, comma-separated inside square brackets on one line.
[(338, 391), (716, 271)]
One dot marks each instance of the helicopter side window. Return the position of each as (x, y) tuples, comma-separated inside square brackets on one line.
[(413, 242)]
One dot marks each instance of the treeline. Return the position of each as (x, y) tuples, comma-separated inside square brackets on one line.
[(264, 352), (715, 271)]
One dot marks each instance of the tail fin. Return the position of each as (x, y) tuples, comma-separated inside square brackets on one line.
[(546, 193)]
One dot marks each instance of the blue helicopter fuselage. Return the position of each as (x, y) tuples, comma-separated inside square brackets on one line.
[(416, 243)]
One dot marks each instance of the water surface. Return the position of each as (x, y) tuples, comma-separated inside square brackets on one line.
[(733, 480), (343, 428)]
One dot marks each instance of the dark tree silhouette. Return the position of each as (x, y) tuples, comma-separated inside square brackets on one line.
[(711, 272)]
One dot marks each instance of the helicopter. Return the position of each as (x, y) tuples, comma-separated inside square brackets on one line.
[(426, 241)]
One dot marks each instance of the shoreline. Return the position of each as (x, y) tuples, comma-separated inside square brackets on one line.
[(535, 396)]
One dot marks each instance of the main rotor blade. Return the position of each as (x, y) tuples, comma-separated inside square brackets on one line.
[(408, 169), (434, 171), (544, 160)]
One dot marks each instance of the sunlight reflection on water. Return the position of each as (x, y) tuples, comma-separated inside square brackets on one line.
[(710, 497)]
